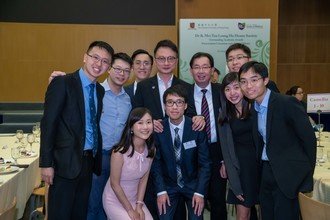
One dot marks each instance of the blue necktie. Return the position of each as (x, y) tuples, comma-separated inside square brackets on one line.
[(177, 151), (93, 121)]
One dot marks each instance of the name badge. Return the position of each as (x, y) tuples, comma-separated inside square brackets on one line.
[(189, 144)]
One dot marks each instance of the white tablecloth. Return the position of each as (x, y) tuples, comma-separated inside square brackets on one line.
[(18, 184), (322, 172)]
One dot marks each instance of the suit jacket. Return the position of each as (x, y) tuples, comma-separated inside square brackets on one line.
[(63, 126), (147, 95), (129, 89), (195, 163), (215, 89), (291, 144)]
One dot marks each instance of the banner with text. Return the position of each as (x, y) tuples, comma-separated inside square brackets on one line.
[(318, 102), (214, 36)]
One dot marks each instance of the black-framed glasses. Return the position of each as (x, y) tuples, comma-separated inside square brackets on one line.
[(179, 103), (169, 59), (201, 68), (118, 70), (238, 58), (253, 81), (96, 59)]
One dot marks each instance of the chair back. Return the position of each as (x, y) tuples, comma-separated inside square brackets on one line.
[(311, 209), (10, 213)]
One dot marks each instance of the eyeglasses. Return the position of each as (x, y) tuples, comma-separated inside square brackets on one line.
[(179, 103), (143, 63), (238, 58), (97, 59), (170, 59), (118, 70), (253, 81), (299, 93), (202, 68)]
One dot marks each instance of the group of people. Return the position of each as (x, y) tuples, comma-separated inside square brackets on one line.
[(160, 148)]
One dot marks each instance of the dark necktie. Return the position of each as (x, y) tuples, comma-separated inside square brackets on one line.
[(206, 113), (177, 151), (93, 120)]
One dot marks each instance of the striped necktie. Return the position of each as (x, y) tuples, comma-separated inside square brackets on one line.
[(206, 113)]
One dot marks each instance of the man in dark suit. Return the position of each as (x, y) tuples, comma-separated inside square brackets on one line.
[(206, 98), (181, 168), (286, 144), (71, 143), (142, 66), (149, 94)]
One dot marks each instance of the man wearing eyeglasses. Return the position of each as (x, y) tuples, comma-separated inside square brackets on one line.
[(71, 143), (149, 94), (181, 168), (142, 66), (236, 55), (285, 144), (116, 107), (206, 98)]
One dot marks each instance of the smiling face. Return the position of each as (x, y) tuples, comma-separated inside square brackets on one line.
[(143, 128), (254, 86), (142, 67), (201, 71), (236, 58), (119, 79), (166, 60), (234, 93), (96, 62), (176, 111)]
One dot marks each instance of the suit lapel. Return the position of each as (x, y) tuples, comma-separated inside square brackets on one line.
[(155, 93), (216, 100), (77, 86), (99, 94), (167, 134), (270, 115)]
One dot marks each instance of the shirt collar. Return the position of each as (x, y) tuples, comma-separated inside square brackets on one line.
[(85, 81), (198, 89), (264, 104), (180, 126), (106, 87), (160, 79)]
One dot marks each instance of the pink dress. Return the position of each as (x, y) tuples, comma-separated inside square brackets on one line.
[(132, 171)]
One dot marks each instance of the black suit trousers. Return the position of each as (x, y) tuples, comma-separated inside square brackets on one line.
[(68, 198), (273, 203)]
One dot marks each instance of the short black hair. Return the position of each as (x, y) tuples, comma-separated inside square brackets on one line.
[(103, 45), (293, 90), (257, 67), (141, 51), (199, 55), (178, 90), (124, 57), (166, 43), (238, 46)]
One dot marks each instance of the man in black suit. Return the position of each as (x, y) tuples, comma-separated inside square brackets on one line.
[(285, 141), (71, 143), (142, 66), (181, 168), (203, 91)]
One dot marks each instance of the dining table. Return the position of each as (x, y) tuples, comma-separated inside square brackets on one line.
[(321, 191), (17, 182)]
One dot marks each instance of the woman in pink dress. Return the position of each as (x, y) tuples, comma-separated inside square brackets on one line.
[(130, 165)]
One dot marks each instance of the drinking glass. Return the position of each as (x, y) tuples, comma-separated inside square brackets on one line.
[(319, 156), (19, 135), (320, 128), (36, 132), (30, 140), (15, 153)]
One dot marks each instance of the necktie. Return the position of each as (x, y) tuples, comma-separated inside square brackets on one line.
[(93, 121), (206, 113), (177, 151)]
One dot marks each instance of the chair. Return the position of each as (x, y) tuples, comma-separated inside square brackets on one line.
[(10, 213), (311, 209), (40, 193)]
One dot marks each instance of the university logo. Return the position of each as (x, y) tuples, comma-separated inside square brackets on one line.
[(192, 25), (241, 26)]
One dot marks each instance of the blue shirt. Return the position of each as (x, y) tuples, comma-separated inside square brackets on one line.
[(85, 81), (262, 121), (116, 108)]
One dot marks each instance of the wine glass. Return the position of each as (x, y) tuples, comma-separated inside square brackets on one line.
[(320, 128), (30, 140), (36, 132), (19, 135), (15, 153), (23, 143)]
